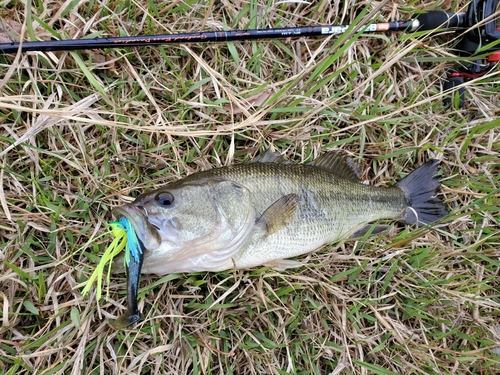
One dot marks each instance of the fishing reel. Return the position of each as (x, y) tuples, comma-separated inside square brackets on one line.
[(482, 22)]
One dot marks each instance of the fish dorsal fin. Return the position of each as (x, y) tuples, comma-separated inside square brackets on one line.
[(269, 157), (339, 164), (279, 214)]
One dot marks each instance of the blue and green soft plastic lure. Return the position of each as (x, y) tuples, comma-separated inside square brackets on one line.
[(125, 237)]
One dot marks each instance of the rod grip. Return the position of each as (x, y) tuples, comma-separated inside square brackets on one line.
[(438, 20)]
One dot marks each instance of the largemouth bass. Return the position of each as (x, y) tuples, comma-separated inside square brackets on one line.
[(264, 212)]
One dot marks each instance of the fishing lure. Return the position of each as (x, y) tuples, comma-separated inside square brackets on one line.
[(125, 238)]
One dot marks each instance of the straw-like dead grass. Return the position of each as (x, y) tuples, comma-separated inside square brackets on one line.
[(81, 132)]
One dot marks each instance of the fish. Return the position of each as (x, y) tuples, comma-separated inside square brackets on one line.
[(264, 212)]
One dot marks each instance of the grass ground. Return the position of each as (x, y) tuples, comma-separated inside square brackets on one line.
[(82, 132)]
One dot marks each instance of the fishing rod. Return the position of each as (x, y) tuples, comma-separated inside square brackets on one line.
[(425, 21), (479, 28)]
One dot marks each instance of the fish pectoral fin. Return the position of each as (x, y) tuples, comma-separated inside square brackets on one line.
[(283, 264), (279, 214), (369, 229)]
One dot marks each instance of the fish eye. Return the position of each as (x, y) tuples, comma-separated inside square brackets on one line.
[(164, 199)]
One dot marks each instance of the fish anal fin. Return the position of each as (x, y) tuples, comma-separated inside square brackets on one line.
[(370, 229), (338, 164), (279, 214), (270, 157), (283, 264)]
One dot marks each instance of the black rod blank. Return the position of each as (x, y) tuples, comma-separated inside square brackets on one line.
[(431, 20)]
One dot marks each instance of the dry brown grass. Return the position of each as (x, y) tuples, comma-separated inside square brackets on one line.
[(81, 132)]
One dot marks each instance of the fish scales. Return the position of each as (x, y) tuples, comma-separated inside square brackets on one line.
[(330, 207)]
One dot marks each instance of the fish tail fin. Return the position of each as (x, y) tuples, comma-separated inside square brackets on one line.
[(420, 188)]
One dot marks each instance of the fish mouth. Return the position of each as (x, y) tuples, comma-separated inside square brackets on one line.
[(147, 233)]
